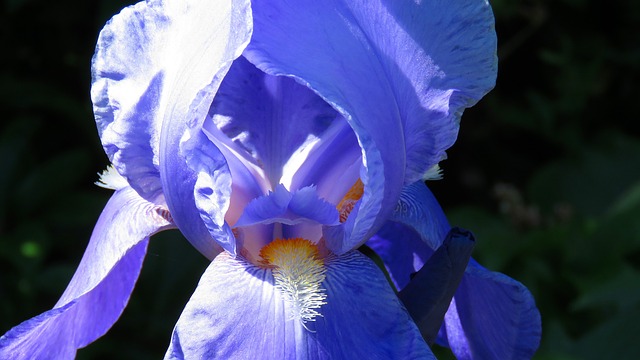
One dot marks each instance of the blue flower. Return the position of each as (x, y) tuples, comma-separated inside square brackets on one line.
[(279, 137)]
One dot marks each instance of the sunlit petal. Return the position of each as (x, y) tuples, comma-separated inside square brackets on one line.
[(400, 73), (205, 38), (237, 313), (269, 117)]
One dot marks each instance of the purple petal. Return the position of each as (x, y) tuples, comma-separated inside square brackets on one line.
[(269, 117), (417, 229), (139, 79), (288, 208), (429, 293), (249, 180), (211, 191), (401, 250), (237, 313), (419, 209), (333, 164), (307, 204), (100, 288), (201, 43), (491, 317), (400, 74), (125, 93)]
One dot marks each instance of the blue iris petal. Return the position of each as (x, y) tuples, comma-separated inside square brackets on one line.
[(491, 315), (400, 73), (270, 117), (237, 313), (100, 288), (327, 92), (428, 295), (289, 208)]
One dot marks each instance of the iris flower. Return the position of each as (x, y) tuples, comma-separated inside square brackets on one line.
[(279, 137)]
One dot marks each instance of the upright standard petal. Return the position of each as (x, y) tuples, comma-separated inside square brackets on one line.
[(491, 315), (127, 83), (332, 164), (237, 312), (206, 37), (100, 288), (401, 73), (269, 117), (156, 68)]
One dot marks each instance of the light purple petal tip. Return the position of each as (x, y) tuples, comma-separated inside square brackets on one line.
[(100, 288)]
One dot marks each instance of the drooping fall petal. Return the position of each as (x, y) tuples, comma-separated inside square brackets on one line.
[(100, 288), (238, 313), (491, 315)]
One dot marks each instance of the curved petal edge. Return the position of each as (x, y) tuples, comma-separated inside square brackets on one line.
[(100, 288), (237, 312)]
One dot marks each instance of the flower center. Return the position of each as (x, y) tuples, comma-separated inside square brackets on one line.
[(299, 272)]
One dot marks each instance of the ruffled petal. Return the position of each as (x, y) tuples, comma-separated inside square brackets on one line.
[(401, 74), (201, 43), (211, 193), (289, 208), (491, 315), (126, 88), (142, 93), (237, 313), (100, 288)]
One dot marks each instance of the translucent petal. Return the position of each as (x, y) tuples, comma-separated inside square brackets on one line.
[(204, 38)]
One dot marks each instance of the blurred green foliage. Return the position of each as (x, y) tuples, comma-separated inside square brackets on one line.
[(546, 172)]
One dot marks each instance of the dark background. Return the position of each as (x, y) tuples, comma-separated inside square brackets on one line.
[(546, 172)]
